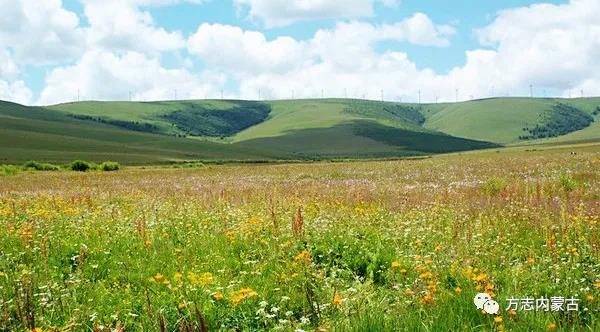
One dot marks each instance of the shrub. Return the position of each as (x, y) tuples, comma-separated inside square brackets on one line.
[(110, 166), (37, 166), (80, 166)]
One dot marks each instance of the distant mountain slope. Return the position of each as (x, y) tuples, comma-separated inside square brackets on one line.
[(36, 133), (139, 132), (499, 120)]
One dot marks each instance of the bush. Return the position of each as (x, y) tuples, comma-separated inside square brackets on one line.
[(110, 166), (36, 166), (80, 166)]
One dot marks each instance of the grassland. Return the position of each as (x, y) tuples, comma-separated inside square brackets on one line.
[(167, 131), (361, 246), (40, 134)]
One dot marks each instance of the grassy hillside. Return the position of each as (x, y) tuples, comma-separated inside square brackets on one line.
[(313, 128), (42, 134), (501, 120)]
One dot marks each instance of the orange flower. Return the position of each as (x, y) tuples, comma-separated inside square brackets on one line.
[(551, 326), (217, 296), (395, 265), (337, 299)]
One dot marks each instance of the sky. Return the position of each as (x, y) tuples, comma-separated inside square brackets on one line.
[(54, 51)]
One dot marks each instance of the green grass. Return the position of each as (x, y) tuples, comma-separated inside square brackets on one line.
[(311, 128), (28, 133), (500, 120), (363, 246)]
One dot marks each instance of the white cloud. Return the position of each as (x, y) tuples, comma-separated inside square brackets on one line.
[(284, 12), (554, 47), (117, 25), (101, 75), (39, 31), (232, 48), (16, 92)]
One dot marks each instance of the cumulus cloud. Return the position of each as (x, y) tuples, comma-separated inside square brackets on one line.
[(234, 49), (39, 32), (283, 12), (337, 59), (553, 47), (117, 25), (101, 75)]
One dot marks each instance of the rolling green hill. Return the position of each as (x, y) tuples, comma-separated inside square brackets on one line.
[(42, 134), (145, 132), (502, 120)]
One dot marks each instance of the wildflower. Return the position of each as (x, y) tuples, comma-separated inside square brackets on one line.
[(304, 320), (480, 277), (551, 326), (337, 299), (458, 290), (2, 274), (409, 292), (243, 294), (438, 247), (395, 265), (597, 284), (158, 277), (303, 257), (590, 298), (181, 305), (217, 296), (498, 319), (426, 275), (427, 299), (178, 277), (403, 271), (530, 260)]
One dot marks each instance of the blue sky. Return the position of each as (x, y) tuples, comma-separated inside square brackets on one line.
[(241, 47)]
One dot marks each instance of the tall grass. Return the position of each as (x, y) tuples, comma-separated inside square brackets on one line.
[(367, 246)]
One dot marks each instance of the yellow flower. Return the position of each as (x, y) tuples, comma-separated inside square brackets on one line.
[(337, 299), (426, 275), (480, 277), (551, 326), (403, 271), (395, 265), (458, 290), (181, 305), (242, 294), (178, 277), (597, 284), (1, 274), (530, 260), (438, 247), (498, 319), (409, 292), (217, 296), (590, 298), (151, 279), (303, 257), (158, 277)]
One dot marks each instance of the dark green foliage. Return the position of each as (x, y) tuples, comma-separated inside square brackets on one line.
[(596, 111), (80, 166), (385, 111), (131, 125), (198, 120), (560, 120), (37, 166), (428, 142), (109, 166)]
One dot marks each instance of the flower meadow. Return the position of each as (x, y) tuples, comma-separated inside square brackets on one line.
[(354, 246)]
